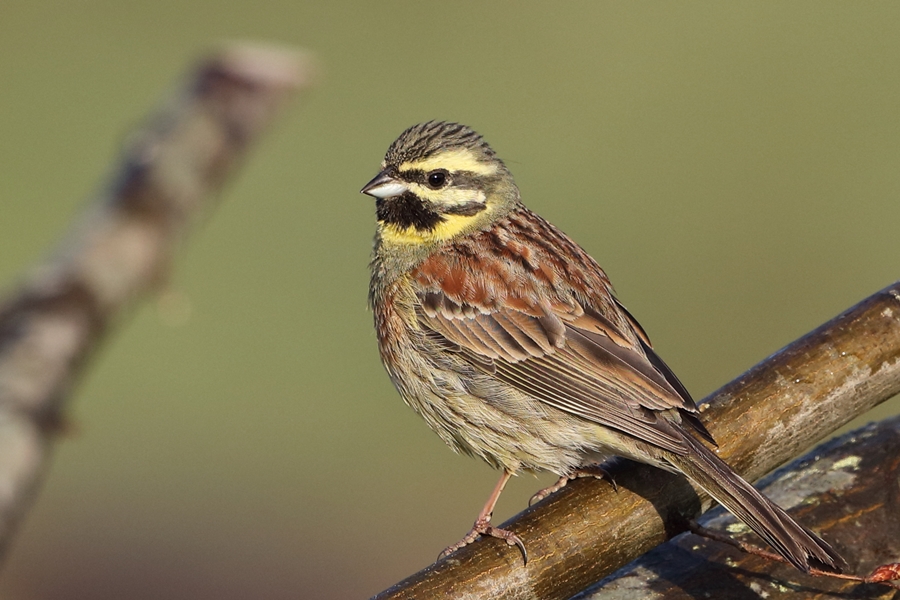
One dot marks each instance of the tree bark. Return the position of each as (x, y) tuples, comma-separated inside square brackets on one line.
[(171, 170), (763, 418)]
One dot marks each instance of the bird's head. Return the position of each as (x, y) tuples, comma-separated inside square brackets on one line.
[(438, 181)]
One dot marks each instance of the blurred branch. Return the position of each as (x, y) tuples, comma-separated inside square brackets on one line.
[(847, 487), (172, 168), (763, 418)]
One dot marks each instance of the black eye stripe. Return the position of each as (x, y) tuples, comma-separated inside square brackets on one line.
[(458, 179), (415, 176)]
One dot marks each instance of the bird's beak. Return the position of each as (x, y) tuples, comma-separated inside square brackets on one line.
[(384, 186)]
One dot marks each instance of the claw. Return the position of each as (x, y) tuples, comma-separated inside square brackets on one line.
[(484, 527), (516, 540)]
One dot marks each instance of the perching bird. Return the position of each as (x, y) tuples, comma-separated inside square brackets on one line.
[(505, 336)]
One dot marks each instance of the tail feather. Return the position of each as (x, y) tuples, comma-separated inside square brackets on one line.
[(793, 541)]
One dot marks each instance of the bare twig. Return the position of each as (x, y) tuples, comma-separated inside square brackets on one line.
[(698, 529), (763, 418), (171, 169)]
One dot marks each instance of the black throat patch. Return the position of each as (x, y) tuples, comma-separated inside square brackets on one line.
[(407, 210)]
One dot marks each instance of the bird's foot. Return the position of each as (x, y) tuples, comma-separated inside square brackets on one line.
[(483, 527), (597, 471)]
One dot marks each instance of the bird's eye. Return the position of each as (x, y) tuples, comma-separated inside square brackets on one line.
[(437, 179)]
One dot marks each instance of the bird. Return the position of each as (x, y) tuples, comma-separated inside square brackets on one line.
[(507, 338)]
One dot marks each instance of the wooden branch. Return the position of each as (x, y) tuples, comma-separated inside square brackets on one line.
[(171, 170), (847, 488), (765, 417)]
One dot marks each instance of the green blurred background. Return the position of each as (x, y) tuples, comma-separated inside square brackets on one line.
[(734, 166)]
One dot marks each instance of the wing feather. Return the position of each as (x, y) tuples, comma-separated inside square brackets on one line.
[(580, 365)]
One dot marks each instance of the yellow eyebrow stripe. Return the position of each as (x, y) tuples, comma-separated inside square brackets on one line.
[(459, 159)]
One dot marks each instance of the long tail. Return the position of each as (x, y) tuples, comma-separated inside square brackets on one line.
[(793, 541)]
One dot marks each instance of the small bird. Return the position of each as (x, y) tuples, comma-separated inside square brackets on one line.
[(505, 336)]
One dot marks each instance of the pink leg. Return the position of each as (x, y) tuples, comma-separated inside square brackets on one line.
[(483, 524)]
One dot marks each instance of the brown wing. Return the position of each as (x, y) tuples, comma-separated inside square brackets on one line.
[(587, 358)]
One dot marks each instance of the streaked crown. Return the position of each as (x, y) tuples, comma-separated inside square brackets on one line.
[(424, 140)]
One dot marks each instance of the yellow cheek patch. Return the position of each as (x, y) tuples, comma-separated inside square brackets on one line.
[(459, 159), (452, 226)]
